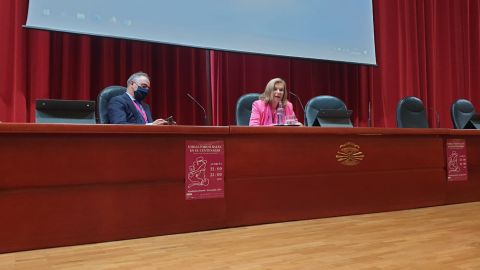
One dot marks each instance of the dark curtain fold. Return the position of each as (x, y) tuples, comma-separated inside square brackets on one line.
[(425, 48)]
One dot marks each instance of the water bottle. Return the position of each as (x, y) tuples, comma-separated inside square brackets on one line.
[(280, 115)]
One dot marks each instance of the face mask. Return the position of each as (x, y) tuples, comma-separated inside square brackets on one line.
[(141, 93)]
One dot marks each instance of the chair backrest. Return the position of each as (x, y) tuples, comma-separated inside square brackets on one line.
[(102, 100), (461, 111), (244, 108), (318, 103), (411, 113)]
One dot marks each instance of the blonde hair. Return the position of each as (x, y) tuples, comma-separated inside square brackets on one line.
[(267, 94)]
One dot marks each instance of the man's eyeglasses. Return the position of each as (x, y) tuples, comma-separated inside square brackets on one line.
[(143, 85)]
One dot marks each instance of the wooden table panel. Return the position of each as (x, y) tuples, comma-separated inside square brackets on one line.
[(264, 154), (49, 217), (73, 184), (275, 199)]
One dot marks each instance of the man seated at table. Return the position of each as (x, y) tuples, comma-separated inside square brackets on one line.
[(129, 107)]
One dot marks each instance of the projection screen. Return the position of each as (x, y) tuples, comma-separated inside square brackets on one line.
[(336, 30)]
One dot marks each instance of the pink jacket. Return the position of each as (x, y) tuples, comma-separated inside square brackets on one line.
[(262, 114)]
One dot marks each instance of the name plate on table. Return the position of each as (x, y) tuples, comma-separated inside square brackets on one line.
[(473, 123), (334, 118)]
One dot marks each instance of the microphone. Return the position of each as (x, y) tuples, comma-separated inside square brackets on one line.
[(299, 101), (437, 117), (201, 107)]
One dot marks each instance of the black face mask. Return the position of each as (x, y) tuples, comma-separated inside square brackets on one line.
[(140, 94)]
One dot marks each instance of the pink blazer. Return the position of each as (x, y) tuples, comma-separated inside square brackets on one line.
[(262, 114)]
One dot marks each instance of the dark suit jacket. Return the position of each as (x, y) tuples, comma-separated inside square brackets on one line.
[(122, 111)]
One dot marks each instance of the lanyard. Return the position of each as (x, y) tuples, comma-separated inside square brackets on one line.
[(140, 110)]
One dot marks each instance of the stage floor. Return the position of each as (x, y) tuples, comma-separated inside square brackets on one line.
[(444, 237)]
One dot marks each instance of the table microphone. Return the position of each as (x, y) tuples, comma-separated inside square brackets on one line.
[(299, 101), (201, 107), (437, 117)]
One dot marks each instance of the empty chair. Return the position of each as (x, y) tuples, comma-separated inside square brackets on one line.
[(327, 111), (462, 111), (103, 98), (244, 108), (411, 113)]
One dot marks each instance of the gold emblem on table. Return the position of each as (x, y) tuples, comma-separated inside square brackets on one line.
[(349, 154)]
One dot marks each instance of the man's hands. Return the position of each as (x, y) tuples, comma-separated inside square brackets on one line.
[(162, 122)]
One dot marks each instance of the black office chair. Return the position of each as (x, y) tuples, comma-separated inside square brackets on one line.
[(411, 113), (461, 111), (244, 108), (103, 98), (327, 103)]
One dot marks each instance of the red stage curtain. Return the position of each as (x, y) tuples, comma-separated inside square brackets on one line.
[(237, 74), (39, 64), (426, 48)]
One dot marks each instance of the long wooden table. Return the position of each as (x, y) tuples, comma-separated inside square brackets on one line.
[(74, 184)]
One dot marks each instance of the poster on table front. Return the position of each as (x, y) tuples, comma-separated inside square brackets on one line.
[(204, 169), (456, 160)]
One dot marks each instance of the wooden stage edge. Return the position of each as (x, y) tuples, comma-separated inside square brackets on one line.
[(76, 184)]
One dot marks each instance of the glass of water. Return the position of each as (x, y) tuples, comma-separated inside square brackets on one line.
[(291, 120)]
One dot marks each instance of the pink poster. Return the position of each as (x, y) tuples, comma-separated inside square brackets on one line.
[(457, 160), (204, 169)]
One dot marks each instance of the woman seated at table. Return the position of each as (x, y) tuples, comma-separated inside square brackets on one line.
[(264, 110)]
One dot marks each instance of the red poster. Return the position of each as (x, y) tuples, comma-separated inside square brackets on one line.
[(457, 160), (204, 169)]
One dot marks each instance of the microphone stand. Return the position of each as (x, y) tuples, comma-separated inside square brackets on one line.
[(203, 109), (436, 117), (369, 121), (299, 101)]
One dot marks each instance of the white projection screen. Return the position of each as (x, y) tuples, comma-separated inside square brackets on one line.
[(336, 30)]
